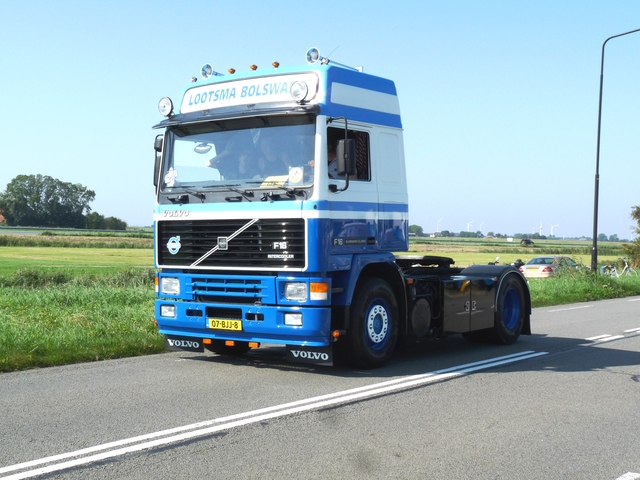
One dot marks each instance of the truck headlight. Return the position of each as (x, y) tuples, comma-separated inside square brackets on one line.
[(168, 311), (169, 286), (296, 292)]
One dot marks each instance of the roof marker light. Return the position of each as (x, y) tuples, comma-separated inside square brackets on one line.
[(275, 64), (253, 67)]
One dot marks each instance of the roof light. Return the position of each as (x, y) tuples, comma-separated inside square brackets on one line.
[(299, 90), (232, 71), (313, 56), (275, 64), (208, 71), (165, 106), (253, 67)]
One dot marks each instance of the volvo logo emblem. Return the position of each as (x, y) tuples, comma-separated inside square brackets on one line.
[(174, 245), (223, 243)]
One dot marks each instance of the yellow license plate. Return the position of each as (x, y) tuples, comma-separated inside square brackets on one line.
[(220, 324)]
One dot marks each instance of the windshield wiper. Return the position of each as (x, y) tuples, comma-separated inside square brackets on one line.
[(289, 192), (247, 194), (181, 197), (293, 192)]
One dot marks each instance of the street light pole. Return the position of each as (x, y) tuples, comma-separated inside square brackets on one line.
[(594, 247)]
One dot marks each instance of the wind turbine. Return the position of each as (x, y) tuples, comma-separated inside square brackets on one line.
[(551, 231), (438, 226), (469, 224), (481, 223)]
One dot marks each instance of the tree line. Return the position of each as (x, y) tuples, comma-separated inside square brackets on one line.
[(43, 201)]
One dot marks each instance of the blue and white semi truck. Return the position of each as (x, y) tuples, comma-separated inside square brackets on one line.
[(281, 197)]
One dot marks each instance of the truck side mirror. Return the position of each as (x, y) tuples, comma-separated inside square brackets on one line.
[(346, 157), (157, 146)]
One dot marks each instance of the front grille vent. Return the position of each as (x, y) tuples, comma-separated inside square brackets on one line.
[(268, 244)]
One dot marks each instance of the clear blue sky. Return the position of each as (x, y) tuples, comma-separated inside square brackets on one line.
[(499, 98)]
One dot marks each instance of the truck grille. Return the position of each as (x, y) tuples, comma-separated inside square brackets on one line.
[(264, 244)]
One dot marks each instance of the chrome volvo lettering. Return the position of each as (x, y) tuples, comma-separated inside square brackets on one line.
[(183, 343), (310, 355), (176, 213)]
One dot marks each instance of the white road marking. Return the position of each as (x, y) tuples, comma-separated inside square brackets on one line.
[(246, 418), (599, 337), (610, 338), (629, 476), (569, 308), (634, 300), (604, 338), (632, 330)]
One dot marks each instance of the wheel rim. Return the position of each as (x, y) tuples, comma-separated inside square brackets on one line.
[(511, 309), (377, 326)]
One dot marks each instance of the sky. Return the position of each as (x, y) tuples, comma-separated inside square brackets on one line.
[(499, 99)]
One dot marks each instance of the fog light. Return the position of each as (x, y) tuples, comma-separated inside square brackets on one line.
[(296, 292), (293, 319), (170, 285), (168, 311)]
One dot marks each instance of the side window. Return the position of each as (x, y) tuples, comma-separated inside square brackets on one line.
[(363, 162)]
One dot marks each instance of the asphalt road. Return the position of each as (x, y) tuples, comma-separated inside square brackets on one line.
[(561, 404)]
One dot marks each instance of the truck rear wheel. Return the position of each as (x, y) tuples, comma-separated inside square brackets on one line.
[(373, 329), (510, 310)]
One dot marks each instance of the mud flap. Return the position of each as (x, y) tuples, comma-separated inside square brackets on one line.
[(315, 355), (188, 344)]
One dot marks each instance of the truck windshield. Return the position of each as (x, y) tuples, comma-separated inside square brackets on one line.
[(261, 152)]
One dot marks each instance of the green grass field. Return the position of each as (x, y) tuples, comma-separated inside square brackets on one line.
[(77, 299)]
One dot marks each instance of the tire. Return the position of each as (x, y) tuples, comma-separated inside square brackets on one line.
[(218, 346), (510, 310), (373, 329)]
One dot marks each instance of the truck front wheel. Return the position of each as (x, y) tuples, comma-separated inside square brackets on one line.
[(373, 328)]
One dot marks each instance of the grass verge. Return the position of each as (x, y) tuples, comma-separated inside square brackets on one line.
[(61, 305), (52, 318), (580, 286)]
